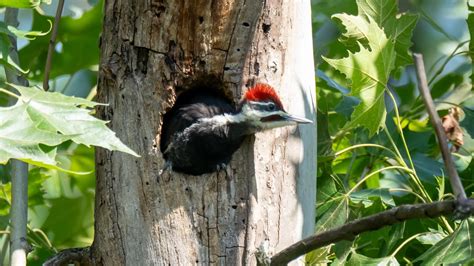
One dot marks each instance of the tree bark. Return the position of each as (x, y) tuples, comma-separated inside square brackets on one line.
[(148, 49)]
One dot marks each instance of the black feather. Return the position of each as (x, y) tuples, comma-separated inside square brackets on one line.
[(194, 147)]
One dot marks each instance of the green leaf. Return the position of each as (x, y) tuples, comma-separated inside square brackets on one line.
[(430, 238), (76, 158), (36, 177), (470, 25), (366, 196), (394, 237), (334, 212), (318, 256), (467, 123), (427, 168), (20, 137), (347, 105), (446, 83), (407, 95), (66, 217), (35, 191), (326, 186), (5, 58), (331, 83), (342, 250), (45, 118), (21, 3), (456, 96), (369, 71), (4, 206), (358, 259), (355, 30), (398, 28), (71, 221), (461, 161), (29, 35), (324, 139), (5, 43), (453, 249)]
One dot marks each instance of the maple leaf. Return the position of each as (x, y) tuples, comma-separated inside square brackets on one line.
[(369, 70), (46, 118)]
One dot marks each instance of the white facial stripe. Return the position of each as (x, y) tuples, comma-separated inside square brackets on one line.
[(257, 114), (250, 115), (254, 117)]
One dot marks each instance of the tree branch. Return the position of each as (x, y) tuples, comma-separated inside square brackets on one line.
[(71, 256), (54, 33), (458, 189), (370, 223)]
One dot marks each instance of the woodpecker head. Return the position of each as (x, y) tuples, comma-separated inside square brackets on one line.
[(262, 108)]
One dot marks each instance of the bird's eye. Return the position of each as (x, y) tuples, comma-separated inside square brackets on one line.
[(271, 107)]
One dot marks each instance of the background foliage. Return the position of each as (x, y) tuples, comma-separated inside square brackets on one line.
[(376, 148), (375, 151), (60, 204)]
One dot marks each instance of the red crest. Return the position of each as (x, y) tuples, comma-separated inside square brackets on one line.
[(263, 92)]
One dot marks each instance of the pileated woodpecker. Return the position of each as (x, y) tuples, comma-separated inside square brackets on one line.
[(203, 129)]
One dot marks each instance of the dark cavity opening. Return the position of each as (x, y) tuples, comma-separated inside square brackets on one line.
[(266, 27)]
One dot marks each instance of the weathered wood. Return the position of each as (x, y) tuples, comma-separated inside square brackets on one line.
[(147, 49)]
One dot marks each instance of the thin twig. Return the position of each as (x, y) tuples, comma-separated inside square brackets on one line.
[(456, 184), (19, 170), (52, 41), (370, 223)]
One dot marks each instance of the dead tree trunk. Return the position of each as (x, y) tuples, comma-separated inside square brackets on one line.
[(150, 47)]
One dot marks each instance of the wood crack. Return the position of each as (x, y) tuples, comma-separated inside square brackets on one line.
[(116, 222)]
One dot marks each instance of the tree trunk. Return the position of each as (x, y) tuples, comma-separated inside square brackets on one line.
[(148, 48)]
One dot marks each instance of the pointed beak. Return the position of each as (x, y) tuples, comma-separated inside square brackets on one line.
[(300, 120)]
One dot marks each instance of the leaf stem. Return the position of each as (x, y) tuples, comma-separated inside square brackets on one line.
[(407, 191), (44, 238), (413, 175), (364, 145), (406, 242), (374, 173), (9, 93)]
